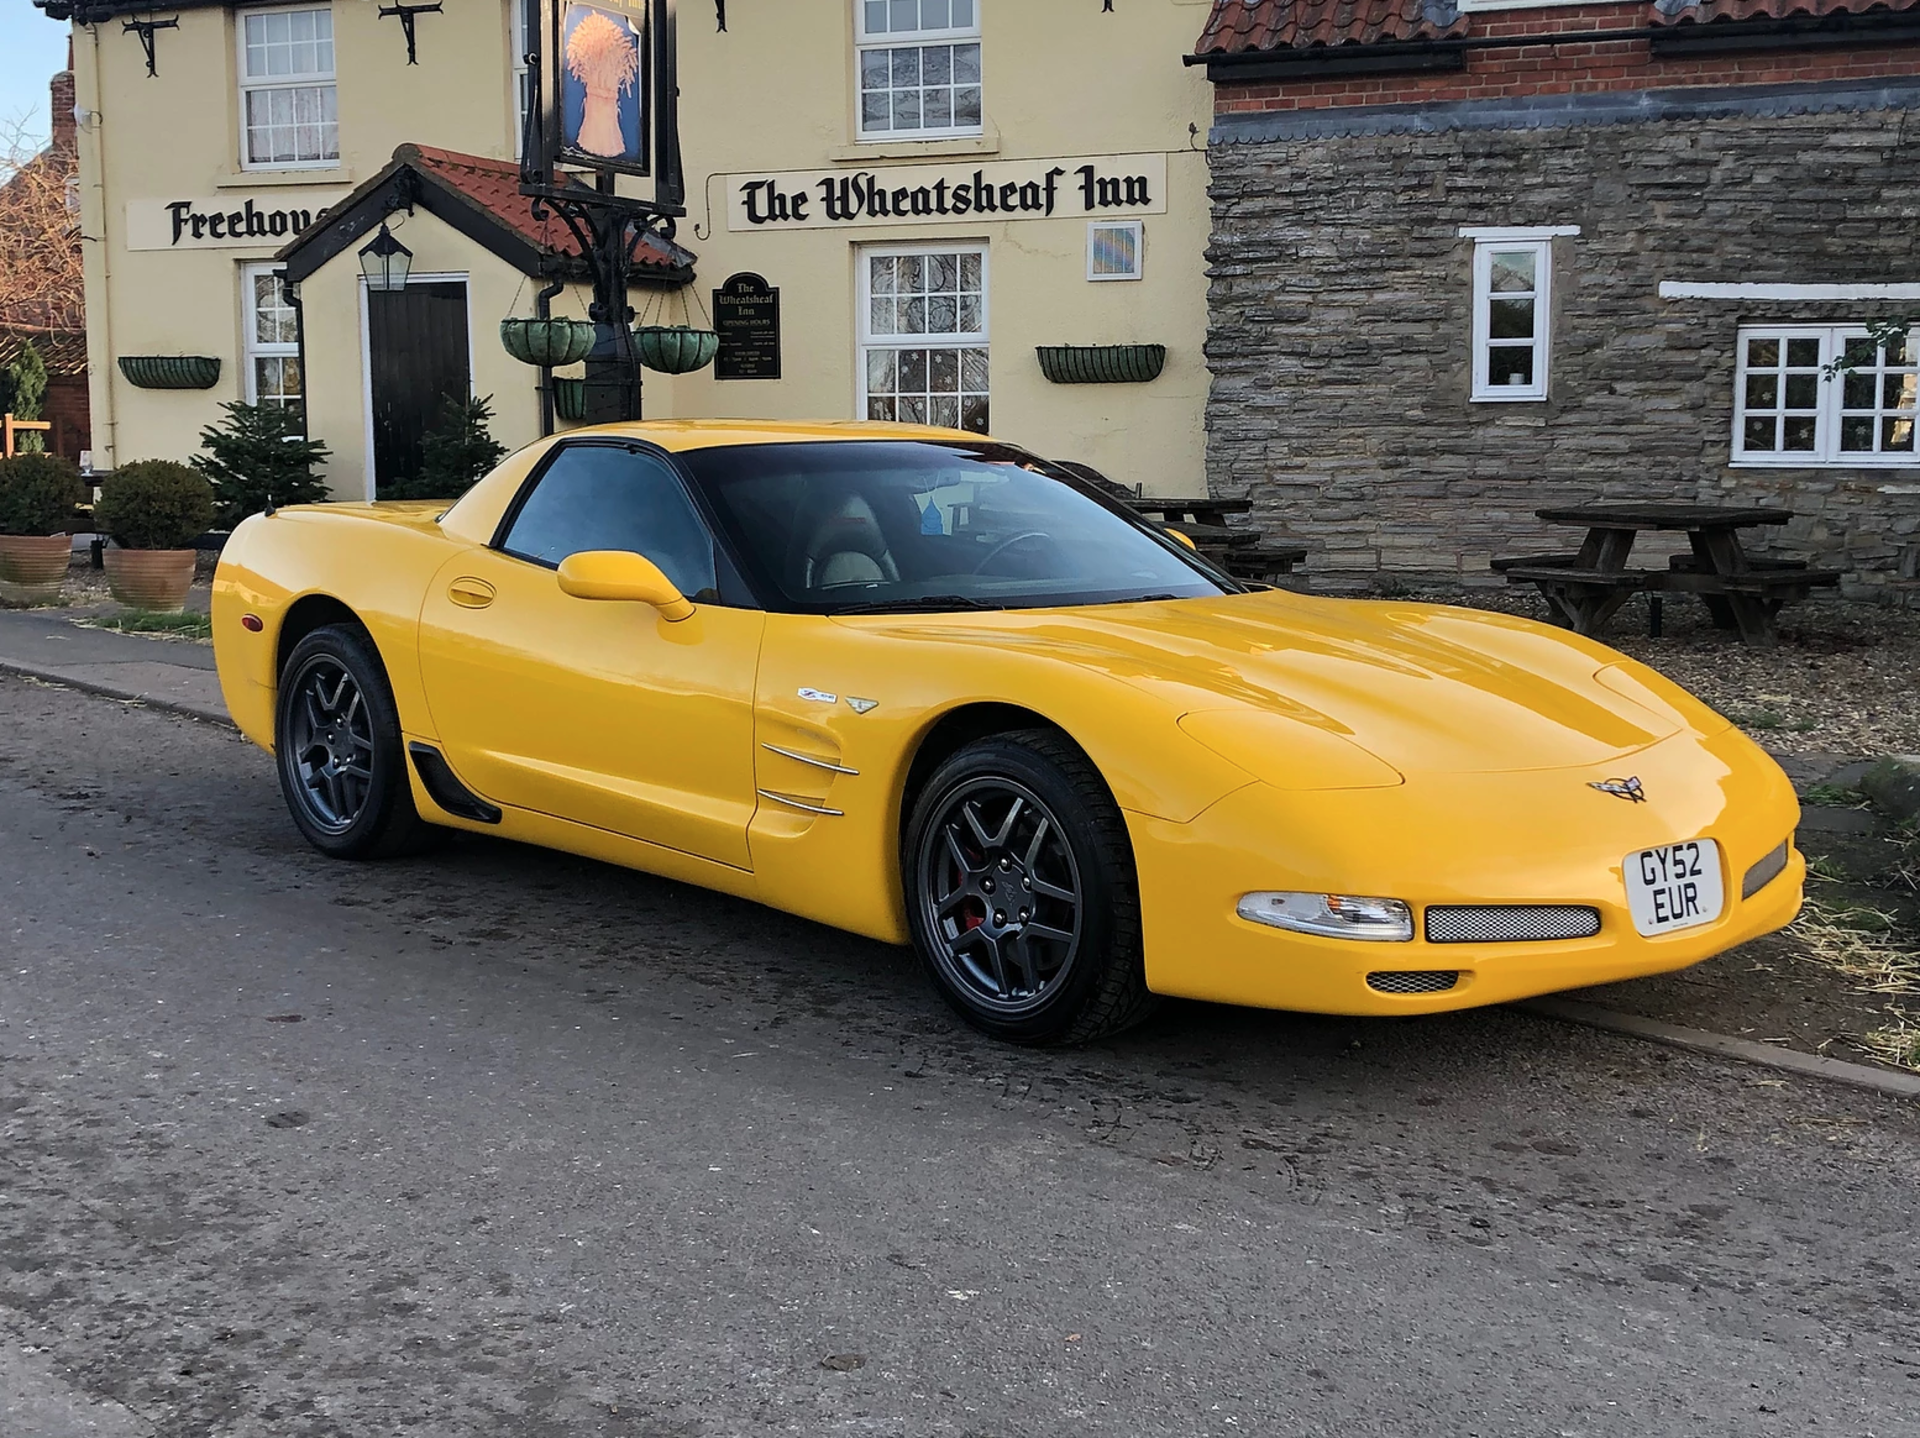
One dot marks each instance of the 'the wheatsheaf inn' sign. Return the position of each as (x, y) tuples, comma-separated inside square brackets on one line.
[(1104, 186), (229, 222)]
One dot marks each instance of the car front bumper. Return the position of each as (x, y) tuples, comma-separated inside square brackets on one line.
[(1541, 837)]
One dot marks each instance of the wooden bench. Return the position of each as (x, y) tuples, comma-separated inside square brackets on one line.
[(1263, 562), (1775, 582), (1585, 599)]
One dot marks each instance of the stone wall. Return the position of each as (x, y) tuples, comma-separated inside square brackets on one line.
[(1341, 313)]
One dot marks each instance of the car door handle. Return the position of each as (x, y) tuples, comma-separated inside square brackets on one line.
[(470, 593)]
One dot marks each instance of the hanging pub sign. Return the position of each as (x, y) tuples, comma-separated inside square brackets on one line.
[(746, 312), (607, 91)]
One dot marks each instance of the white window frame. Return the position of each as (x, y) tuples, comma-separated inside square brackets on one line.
[(1829, 411), (1139, 230), (866, 341), (865, 43), (252, 347), (1485, 247), (518, 27), (327, 80)]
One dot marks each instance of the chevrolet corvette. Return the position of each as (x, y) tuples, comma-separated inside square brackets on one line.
[(927, 688)]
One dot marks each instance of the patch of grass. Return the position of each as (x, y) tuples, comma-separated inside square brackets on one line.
[(1823, 867), (1862, 946), (1833, 796), (1897, 1045), (172, 623)]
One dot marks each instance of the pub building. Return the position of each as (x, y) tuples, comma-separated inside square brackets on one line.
[(893, 208)]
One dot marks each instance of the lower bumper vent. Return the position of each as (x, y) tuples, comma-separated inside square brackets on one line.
[(1413, 981), (1511, 923)]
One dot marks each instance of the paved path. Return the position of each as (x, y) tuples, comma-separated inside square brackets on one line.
[(502, 1144), (170, 673)]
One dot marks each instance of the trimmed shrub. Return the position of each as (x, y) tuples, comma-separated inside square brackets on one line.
[(257, 454), (26, 396), (154, 504), (38, 494), (456, 451)]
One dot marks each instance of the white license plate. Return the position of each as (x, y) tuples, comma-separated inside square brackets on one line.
[(1674, 887)]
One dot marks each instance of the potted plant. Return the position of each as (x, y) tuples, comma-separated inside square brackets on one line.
[(153, 510), (38, 496)]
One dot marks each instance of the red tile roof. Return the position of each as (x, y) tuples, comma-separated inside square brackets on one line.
[(494, 186), (1255, 25), (1707, 12)]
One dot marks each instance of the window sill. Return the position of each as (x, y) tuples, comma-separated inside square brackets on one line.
[(1497, 398), (307, 175), (896, 149), (1808, 461)]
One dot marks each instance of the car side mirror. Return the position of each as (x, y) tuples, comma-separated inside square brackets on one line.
[(622, 576), (1185, 539)]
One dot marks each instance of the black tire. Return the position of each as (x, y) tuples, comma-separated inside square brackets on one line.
[(1021, 892), (336, 740)]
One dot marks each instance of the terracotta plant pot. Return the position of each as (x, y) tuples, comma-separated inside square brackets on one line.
[(151, 578), (33, 567)]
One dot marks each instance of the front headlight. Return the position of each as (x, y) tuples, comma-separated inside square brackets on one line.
[(1332, 916)]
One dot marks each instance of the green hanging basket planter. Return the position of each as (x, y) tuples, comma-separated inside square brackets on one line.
[(676, 349), (171, 371), (548, 343), (1102, 364), (570, 399)]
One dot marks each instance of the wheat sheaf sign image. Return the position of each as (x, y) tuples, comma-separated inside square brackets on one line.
[(602, 96)]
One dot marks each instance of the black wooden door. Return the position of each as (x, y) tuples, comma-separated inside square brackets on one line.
[(417, 356)]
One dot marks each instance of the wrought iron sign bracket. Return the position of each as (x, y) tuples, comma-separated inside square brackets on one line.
[(144, 29), (407, 14)]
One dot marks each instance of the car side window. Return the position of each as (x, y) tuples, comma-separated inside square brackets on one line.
[(599, 496)]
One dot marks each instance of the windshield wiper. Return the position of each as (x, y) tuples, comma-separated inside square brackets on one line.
[(923, 604)]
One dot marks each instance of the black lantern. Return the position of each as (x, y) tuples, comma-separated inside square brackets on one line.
[(385, 262)]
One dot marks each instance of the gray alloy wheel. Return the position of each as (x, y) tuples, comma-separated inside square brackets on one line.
[(337, 747), (1021, 892)]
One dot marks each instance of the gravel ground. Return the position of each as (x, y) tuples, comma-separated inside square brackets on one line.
[(1845, 679)]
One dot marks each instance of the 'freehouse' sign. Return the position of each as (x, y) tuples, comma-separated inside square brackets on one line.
[(229, 222), (1102, 186)]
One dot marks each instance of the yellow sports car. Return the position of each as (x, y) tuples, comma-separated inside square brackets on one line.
[(925, 687)]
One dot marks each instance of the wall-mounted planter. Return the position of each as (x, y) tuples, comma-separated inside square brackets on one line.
[(1102, 364), (570, 399), (171, 371), (676, 349), (549, 343)]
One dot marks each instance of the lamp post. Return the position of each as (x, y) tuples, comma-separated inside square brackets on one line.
[(385, 262)]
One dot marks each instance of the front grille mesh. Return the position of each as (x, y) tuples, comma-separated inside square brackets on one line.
[(1413, 981), (1510, 923)]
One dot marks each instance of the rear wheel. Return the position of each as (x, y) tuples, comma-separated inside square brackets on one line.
[(337, 745), (1021, 892)]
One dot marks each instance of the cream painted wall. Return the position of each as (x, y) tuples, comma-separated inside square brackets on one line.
[(775, 93), (176, 135)]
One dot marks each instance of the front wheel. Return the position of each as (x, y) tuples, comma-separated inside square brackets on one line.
[(337, 746), (1021, 892)]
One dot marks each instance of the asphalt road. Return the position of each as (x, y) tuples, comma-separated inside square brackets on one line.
[(505, 1143)]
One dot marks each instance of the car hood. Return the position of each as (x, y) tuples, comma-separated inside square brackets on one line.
[(1427, 688)]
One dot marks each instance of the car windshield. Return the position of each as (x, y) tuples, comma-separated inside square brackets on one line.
[(876, 525)]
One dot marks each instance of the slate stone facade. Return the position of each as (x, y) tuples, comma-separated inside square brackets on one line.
[(1342, 294), (1341, 308)]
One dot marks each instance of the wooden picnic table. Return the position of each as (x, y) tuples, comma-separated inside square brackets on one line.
[(1741, 591), (1213, 536), (1204, 510)]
